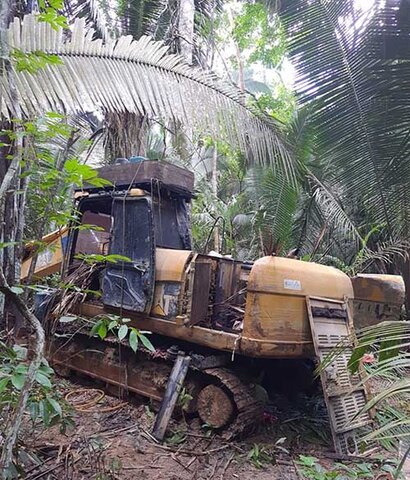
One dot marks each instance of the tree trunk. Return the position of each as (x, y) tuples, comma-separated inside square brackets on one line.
[(186, 29), (406, 278), (241, 80), (126, 135), (214, 184), (38, 349), (9, 170), (12, 223)]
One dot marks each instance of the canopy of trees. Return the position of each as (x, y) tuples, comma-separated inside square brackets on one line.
[(293, 115)]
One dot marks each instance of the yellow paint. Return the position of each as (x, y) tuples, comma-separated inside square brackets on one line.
[(379, 288), (170, 264), (378, 298), (170, 267), (50, 259), (277, 288), (219, 340)]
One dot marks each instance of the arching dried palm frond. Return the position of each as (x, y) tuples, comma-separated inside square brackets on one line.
[(137, 76)]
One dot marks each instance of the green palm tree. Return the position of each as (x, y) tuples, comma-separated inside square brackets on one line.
[(353, 72)]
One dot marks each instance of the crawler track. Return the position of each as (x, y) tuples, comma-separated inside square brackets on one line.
[(147, 376), (248, 409)]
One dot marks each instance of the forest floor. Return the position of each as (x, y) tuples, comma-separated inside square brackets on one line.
[(113, 441)]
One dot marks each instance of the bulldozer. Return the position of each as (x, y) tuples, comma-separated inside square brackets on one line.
[(237, 324)]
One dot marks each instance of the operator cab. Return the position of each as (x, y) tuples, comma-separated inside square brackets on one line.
[(144, 208)]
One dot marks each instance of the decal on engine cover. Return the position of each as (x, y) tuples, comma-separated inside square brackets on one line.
[(292, 284)]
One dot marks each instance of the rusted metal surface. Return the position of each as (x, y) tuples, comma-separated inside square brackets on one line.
[(379, 288), (199, 301), (216, 339), (225, 316), (177, 179), (117, 365), (345, 393), (378, 298), (104, 361)]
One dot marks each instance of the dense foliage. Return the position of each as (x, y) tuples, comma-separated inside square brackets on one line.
[(302, 147)]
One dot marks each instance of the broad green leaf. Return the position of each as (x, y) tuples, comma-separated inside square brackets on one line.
[(55, 405), (133, 339), (86, 226), (122, 332), (114, 258), (34, 410), (56, 4), (20, 351), (43, 380), (102, 330), (147, 344), (21, 369), (4, 383), (354, 361), (17, 290), (54, 115), (18, 381), (388, 349), (112, 324), (44, 408), (95, 328), (67, 319), (8, 244), (46, 370)]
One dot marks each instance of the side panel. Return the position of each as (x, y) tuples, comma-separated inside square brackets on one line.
[(377, 298), (130, 284), (276, 317), (275, 304)]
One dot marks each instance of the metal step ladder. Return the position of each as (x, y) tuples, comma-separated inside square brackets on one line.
[(345, 396)]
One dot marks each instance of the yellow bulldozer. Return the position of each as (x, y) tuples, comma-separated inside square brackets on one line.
[(219, 326)]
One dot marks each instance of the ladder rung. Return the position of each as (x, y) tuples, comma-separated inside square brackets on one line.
[(354, 426), (338, 399), (344, 391)]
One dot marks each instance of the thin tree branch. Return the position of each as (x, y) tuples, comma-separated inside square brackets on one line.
[(11, 436)]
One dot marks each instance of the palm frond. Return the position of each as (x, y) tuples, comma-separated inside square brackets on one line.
[(333, 209), (137, 76), (275, 200), (140, 17), (386, 254), (353, 70), (389, 342), (92, 12)]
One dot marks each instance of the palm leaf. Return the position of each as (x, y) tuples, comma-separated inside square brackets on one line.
[(333, 210), (353, 71), (275, 200), (140, 17), (137, 76), (91, 11)]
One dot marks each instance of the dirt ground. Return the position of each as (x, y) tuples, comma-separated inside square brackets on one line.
[(113, 441)]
